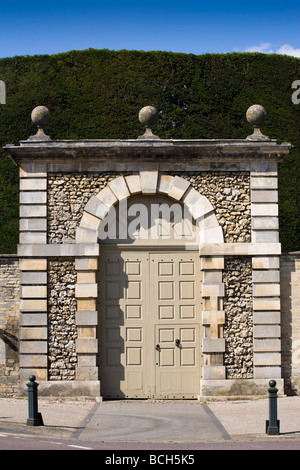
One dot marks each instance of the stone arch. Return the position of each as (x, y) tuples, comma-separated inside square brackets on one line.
[(149, 182)]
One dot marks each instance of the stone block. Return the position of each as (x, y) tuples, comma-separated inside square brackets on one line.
[(263, 168), (86, 277), (265, 276), (149, 181), (33, 360), (107, 197), (266, 317), (34, 319), (213, 290), (33, 225), (86, 346), (265, 236), (86, 317), (215, 345), (33, 237), (165, 183), (265, 262), (33, 278), (84, 264), (33, 170), (89, 221), (134, 184), (213, 372), (200, 208), (178, 188), (86, 304), (33, 211), (212, 277), (34, 305), (53, 250), (239, 249), (33, 265), (266, 304), (264, 290), (87, 373), (264, 196), (86, 290), (267, 373), (211, 235), (266, 331), (33, 347), (208, 222), (33, 333), (265, 223), (86, 331), (33, 292), (97, 208), (41, 374), (211, 262), (33, 184), (33, 197), (86, 360), (262, 182), (86, 235), (264, 210), (119, 188), (266, 345), (210, 317)]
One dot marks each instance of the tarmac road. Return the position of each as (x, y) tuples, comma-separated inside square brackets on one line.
[(149, 425)]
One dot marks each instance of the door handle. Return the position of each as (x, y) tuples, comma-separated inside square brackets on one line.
[(177, 342), (157, 347)]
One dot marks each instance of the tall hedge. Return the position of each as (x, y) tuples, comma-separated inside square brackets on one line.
[(98, 94)]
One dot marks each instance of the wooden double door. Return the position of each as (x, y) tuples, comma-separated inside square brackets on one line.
[(149, 324)]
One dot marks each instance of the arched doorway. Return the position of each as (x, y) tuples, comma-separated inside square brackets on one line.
[(149, 286), (149, 302)]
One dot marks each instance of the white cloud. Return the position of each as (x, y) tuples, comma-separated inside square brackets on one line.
[(266, 48), (262, 47), (288, 50)]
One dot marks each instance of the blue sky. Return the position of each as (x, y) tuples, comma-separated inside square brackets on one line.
[(198, 27)]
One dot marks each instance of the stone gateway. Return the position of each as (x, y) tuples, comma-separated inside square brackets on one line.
[(149, 268)]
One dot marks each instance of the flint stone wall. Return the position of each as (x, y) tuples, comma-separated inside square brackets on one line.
[(9, 323), (238, 328), (228, 192), (62, 334)]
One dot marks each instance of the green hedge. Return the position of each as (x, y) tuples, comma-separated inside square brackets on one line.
[(98, 94)]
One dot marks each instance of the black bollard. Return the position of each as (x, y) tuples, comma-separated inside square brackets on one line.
[(34, 417), (272, 425)]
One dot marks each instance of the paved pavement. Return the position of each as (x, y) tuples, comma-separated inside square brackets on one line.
[(150, 421)]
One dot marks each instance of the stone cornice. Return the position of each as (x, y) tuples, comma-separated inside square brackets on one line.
[(223, 150)]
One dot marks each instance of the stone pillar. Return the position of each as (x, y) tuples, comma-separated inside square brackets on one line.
[(213, 317), (86, 292), (33, 273), (265, 275)]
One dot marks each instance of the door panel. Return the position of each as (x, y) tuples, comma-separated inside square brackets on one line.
[(122, 324), (149, 299)]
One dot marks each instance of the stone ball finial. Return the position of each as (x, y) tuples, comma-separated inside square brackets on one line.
[(256, 116), (148, 116), (40, 116)]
